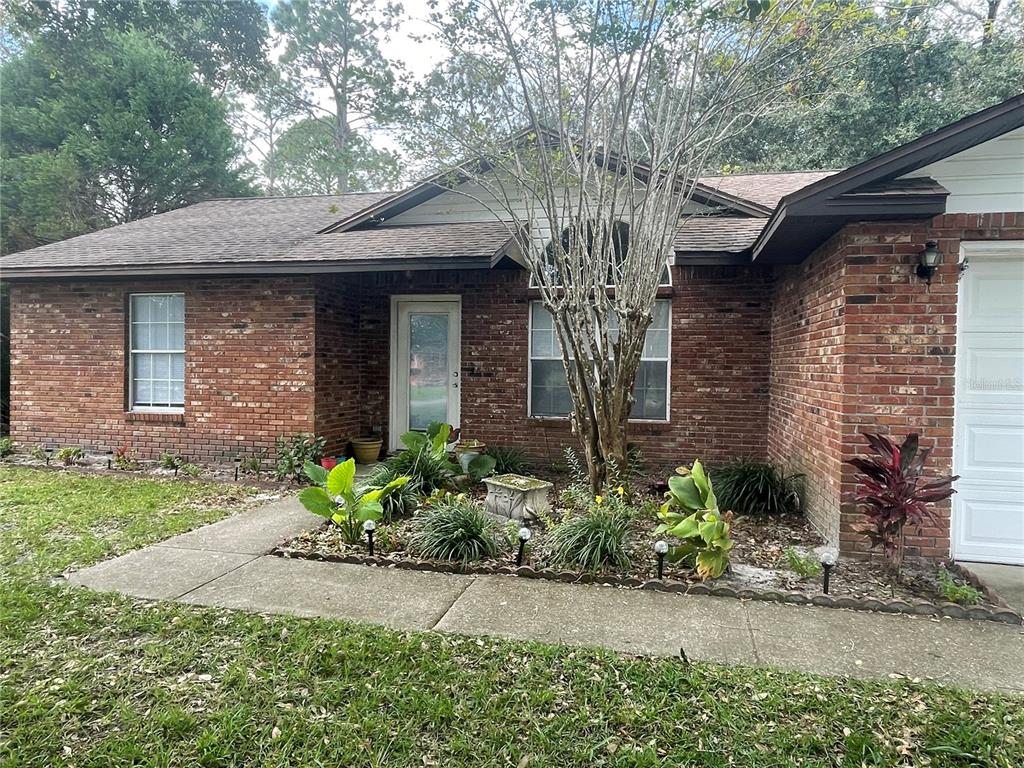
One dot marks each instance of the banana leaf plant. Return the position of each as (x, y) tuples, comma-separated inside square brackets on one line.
[(892, 493), (334, 495), (690, 513)]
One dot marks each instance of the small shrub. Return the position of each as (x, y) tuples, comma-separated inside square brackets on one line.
[(454, 528), (38, 453), (756, 488), (294, 452), (6, 447), (425, 459), (891, 493), (191, 470), (171, 460), (690, 513), (334, 495), (124, 458), (577, 494), (592, 541), (964, 594), (253, 463), (403, 500), (507, 460), (804, 565), (70, 455)]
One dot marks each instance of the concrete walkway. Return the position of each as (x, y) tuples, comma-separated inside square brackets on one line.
[(225, 565)]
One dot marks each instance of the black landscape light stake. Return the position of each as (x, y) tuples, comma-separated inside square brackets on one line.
[(828, 562), (238, 464), (661, 549), (369, 527), (49, 454), (524, 536), (110, 459)]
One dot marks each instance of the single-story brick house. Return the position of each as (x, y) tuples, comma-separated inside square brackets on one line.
[(214, 329)]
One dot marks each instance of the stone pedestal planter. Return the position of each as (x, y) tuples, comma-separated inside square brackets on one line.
[(516, 496)]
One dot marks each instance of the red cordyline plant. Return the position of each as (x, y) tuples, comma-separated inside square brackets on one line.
[(893, 493)]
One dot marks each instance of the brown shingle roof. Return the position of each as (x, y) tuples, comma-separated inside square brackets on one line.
[(235, 230), (765, 189), (717, 234), (476, 240)]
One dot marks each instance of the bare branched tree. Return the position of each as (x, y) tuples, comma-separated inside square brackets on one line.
[(613, 108)]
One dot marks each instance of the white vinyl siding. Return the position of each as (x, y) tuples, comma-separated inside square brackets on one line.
[(549, 392), (157, 352)]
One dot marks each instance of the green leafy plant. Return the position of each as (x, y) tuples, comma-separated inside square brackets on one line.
[(294, 452), (454, 528), (402, 500), (334, 495), (956, 592), (6, 447), (481, 466), (124, 458), (70, 455), (507, 460), (577, 494), (592, 541), (425, 459), (253, 463), (38, 453), (690, 513), (171, 460), (191, 470), (805, 566), (757, 488)]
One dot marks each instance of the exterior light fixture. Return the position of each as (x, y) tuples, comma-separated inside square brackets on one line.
[(49, 454), (661, 549), (524, 536), (238, 465), (928, 261), (369, 527), (829, 558), (110, 459)]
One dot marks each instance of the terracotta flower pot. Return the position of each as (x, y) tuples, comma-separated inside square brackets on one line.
[(366, 449)]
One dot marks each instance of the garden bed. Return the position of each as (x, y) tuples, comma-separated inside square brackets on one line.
[(759, 568)]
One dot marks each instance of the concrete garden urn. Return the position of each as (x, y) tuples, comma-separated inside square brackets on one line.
[(516, 496)]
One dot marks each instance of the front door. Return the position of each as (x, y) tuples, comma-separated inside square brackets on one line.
[(425, 333), (988, 440)]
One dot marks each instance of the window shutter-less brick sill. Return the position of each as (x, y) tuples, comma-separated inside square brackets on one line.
[(174, 419)]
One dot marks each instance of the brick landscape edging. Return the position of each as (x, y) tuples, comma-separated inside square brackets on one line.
[(916, 608)]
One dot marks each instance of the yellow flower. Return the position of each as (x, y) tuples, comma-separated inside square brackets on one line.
[(621, 490), (599, 499)]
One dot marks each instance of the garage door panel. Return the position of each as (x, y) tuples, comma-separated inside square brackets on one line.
[(990, 522), (991, 299), (988, 442), (991, 369)]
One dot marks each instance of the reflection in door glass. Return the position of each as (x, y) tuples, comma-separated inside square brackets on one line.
[(428, 369)]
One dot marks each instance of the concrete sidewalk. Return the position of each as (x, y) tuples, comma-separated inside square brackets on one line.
[(225, 565)]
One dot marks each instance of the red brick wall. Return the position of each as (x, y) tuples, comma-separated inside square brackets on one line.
[(338, 362), (805, 406), (719, 376), (897, 337), (248, 368)]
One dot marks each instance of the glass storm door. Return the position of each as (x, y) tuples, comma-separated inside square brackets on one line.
[(424, 363)]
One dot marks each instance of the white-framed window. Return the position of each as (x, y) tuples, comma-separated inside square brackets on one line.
[(549, 392), (156, 367)]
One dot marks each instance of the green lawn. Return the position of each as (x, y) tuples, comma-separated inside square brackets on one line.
[(91, 680)]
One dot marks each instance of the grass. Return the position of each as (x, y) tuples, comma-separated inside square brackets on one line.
[(95, 680)]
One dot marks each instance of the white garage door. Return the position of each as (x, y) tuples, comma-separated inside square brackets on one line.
[(988, 442)]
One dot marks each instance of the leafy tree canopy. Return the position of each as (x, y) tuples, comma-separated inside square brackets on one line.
[(921, 72), (124, 133), (224, 41), (308, 161)]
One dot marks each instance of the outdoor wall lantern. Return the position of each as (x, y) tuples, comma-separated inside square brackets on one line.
[(928, 261)]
